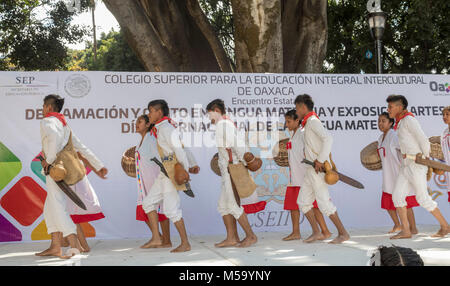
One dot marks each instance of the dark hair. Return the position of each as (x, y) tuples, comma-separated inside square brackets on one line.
[(399, 256), (216, 103), (292, 114), (56, 101), (395, 98), (160, 104), (147, 120), (306, 99), (390, 119)]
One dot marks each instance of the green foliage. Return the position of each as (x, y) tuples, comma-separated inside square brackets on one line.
[(220, 16), (415, 39), (30, 43), (113, 54)]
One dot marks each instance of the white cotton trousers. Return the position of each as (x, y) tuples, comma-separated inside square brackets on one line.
[(163, 193), (57, 218), (412, 174), (315, 188), (227, 204)]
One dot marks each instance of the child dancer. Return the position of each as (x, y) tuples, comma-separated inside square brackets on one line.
[(231, 150), (412, 141), (389, 152), (296, 175), (146, 173), (445, 144), (317, 149)]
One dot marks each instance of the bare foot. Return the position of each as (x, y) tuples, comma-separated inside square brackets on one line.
[(165, 245), (313, 237), (292, 236), (50, 252), (442, 232), (325, 235), (65, 242), (227, 243), (152, 243), (402, 235), (247, 241), (71, 252), (182, 248), (340, 238), (414, 230), (396, 228), (85, 249)]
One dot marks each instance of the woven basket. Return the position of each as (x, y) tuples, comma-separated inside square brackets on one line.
[(370, 158), (129, 162), (280, 153), (215, 164), (436, 150)]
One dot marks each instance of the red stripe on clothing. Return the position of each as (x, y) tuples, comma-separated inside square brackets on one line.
[(254, 208), (142, 216), (305, 119), (400, 117), (86, 217), (388, 204), (59, 116)]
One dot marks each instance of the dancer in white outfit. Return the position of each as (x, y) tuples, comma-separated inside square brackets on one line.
[(412, 141), (231, 150), (297, 169), (391, 158), (55, 135), (163, 190), (317, 149), (445, 144)]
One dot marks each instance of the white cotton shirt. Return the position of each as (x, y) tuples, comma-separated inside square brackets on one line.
[(296, 156), (391, 158), (227, 137), (317, 140), (411, 137), (55, 136), (169, 140), (445, 145)]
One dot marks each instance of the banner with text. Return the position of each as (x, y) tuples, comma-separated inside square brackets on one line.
[(102, 108)]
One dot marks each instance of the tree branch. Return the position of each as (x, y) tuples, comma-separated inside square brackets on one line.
[(205, 27)]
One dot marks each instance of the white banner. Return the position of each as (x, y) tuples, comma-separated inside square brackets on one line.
[(101, 108)]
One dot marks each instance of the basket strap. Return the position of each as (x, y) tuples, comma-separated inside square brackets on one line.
[(230, 155)]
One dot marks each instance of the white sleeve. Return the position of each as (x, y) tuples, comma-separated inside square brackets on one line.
[(190, 157), (326, 139), (415, 129), (50, 138), (226, 136), (395, 145), (80, 147), (171, 135)]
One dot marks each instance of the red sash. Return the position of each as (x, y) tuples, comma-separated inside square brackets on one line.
[(57, 115), (398, 118), (312, 113), (154, 130)]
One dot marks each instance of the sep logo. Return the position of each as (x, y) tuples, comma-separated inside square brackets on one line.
[(440, 88)]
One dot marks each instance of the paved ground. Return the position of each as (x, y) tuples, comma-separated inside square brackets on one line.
[(269, 250)]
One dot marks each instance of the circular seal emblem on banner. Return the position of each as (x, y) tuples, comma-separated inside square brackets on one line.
[(77, 85)]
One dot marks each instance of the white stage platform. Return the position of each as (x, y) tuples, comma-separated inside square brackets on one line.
[(269, 251)]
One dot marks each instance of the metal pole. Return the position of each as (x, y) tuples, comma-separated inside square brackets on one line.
[(378, 44)]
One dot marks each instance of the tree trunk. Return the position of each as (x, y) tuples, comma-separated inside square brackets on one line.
[(258, 37), (94, 29), (305, 35), (270, 35), (164, 35)]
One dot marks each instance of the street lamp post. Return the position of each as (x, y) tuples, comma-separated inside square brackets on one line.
[(377, 22)]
